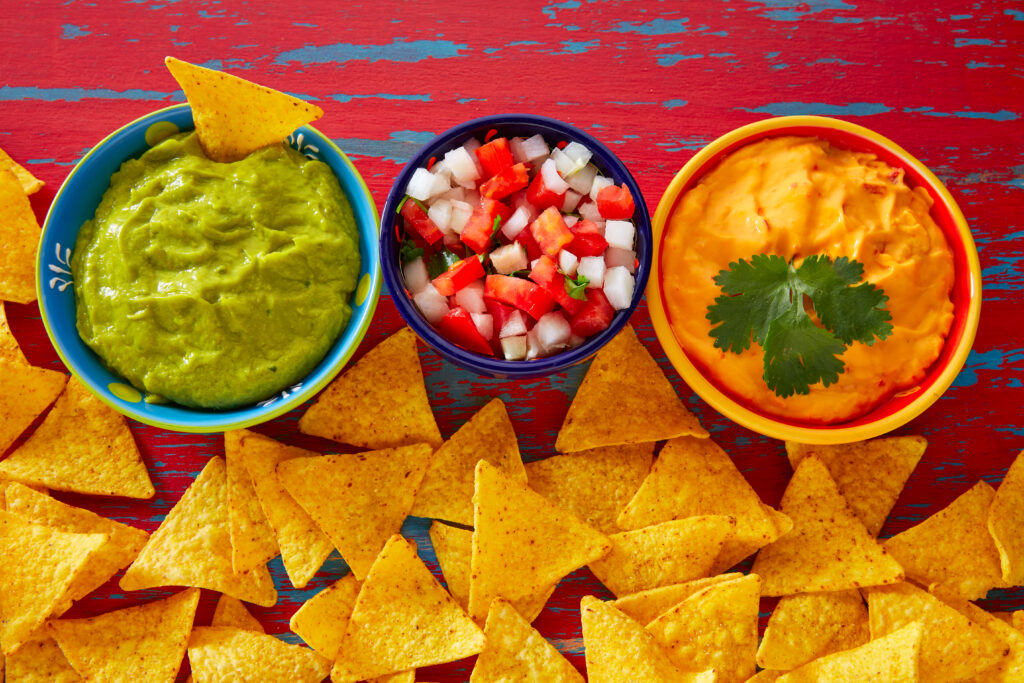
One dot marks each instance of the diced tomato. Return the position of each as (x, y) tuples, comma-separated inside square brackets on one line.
[(541, 197), (545, 273), (528, 297), (525, 238), (615, 203), (595, 315), (479, 229), (587, 240), (512, 179), (457, 325), (416, 220), (495, 156), (459, 275), (499, 312), (550, 231)]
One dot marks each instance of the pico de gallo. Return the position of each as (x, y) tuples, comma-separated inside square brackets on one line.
[(515, 248)]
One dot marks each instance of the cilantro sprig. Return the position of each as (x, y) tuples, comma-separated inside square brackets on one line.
[(577, 287), (763, 301)]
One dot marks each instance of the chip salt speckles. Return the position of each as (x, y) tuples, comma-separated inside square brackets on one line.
[(447, 489), (828, 549), (26, 392), (39, 661), (811, 625), (1006, 522), (19, 233), (953, 548), (359, 500), (253, 542), (321, 621), (220, 653), (869, 474), (29, 183), (1011, 668), (379, 402), (231, 612), (624, 398), (648, 605), (892, 658)]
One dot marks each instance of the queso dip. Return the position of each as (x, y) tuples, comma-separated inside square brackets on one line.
[(795, 196)]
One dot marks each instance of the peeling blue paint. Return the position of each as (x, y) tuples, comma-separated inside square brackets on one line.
[(11, 93), (339, 97), (69, 31), (1017, 14), (982, 65), (669, 60), (788, 10), (820, 109), (968, 42), (396, 51), (1001, 115), (993, 361), (577, 47), (673, 104), (551, 10), (655, 27), (399, 147)]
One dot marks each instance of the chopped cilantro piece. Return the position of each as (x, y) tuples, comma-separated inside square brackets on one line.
[(409, 252), (440, 262), (577, 287), (398, 209)]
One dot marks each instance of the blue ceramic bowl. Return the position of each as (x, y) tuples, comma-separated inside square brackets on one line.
[(510, 125), (76, 203)]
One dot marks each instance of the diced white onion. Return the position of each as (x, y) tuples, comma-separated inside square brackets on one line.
[(484, 324), (619, 234), (592, 268), (473, 198), (415, 275), (565, 164), (576, 340), (572, 198), (588, 212), (471, 297), (432, 305), (599, 183), (533, 263), (615, 257), (519, 219), (571, 220), (442, 169), (567, 262), (514, 348), (535, 148), (461, 211), (582, 180), (514, 326), (552, 180), (441, 213), (457, 193), (420, 185), (534, 349), (618, 287), (516, 145), (462, 165), (578, 153), (509, 258), (553, 331)]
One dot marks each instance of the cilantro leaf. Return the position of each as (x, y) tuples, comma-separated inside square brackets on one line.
[(409, 252), (798, 353), (577, 287), (440, 262)]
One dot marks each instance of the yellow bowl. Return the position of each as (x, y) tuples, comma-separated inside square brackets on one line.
[(966, 295)]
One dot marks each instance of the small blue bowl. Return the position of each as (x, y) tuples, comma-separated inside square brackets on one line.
[(76, 203), (511, 125)]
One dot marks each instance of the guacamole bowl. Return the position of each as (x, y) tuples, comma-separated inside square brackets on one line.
[(875, 403), (76, 203), (555, 134)]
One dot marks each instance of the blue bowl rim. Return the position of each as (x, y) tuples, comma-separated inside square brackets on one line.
[(607, 161), (198, 421)]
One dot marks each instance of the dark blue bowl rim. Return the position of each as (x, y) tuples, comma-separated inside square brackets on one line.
[(604, 158)]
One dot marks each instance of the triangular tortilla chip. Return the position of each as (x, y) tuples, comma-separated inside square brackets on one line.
[(521, 542), (1011, 668), (231, 612), (25, 391), (9, 349), (953, 647), (39, 661), (222, 653), (619, 649), (447, 489), (892, 658), (39, 566), (19, 235), (84, 446), (663, 554), (1006, 522), (253, 542), (594, 485), (141, 643), (766, 676), (379, 402), (517, 652), (870, 474), (403, 620), (304, 546), (29, 183), (953, 549), (624, 398), (321, 621), (696, 477), (192, 547), (1017, 619), (646, 606), (359, 500), (828, 549), (404, 677), (811, 625), (122, 546), (235, 117), (714, 629)]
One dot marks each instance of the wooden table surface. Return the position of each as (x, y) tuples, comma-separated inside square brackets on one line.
[(655, 81)]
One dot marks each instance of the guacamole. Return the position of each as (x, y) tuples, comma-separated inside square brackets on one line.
[(215, 285)]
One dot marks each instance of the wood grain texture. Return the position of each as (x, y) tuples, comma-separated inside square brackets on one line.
[(655, 81)]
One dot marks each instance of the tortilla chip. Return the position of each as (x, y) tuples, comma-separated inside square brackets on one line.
[(953, 548), (404, 677), (403, 620), (26, 392), (447, 489), (39, 661), (380, 402), (517, 652), (828, 549), (953, 647), (84, 446), (304, 546), (19, 233), (231, 612), (1006, 522), (1011, 668), (123, 544), (192, 547), (696, 477), (521, 542), (766, 676), (222, 653), (359, 500), (619, 649), (321, 620), (235, 117), (1017, 619), (39, 566), (663, 554), (141, 643), (892, 658), (811, 625), (624, 398), (9, 349), (29, 183), (594, 485), (253, 542), (646, 606), (870, 474), (715, 628)]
